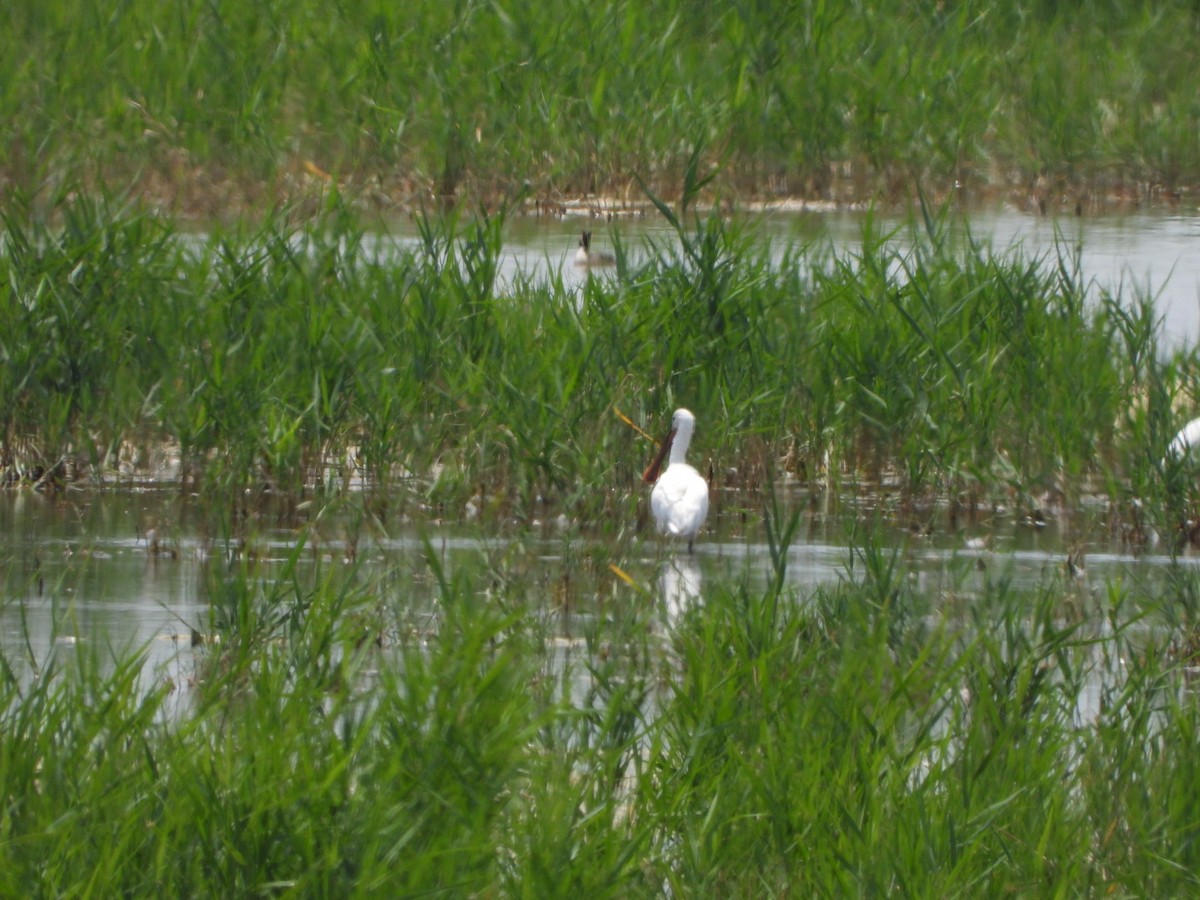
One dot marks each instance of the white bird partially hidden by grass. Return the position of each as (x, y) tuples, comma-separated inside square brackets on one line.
[(1186, 443), (679, 500)]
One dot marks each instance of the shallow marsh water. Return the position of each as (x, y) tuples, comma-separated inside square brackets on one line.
[(79, 569), (78, 573)]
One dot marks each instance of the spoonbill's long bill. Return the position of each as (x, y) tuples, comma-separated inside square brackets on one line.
[(679, 500)]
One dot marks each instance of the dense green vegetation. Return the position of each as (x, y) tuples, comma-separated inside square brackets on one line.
[(292, 358), (342, 733), (867, 738), (232, 105)]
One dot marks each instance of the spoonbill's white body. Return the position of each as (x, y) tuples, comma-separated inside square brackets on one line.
[(679, 500), (585, 256), (1187, 442)]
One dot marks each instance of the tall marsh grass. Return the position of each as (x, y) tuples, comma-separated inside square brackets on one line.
[(230, 106), (863, 737), (343, 733), (294, 360)]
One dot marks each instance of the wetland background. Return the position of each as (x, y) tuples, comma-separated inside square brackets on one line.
[(326, 567)]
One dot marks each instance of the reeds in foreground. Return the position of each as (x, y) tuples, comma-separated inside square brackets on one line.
[(857, 738)]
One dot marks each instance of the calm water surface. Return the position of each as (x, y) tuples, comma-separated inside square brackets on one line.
[(78, 573)]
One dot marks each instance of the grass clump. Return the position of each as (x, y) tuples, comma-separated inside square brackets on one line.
[(860, 737), (303, 359)]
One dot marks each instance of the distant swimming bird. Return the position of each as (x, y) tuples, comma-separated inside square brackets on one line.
[(679, 500), (1187, 442), (585, 257)]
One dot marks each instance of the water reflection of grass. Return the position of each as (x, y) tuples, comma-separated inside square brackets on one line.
[(857, 737)]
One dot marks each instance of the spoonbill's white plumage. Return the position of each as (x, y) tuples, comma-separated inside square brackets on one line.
[(679, 500), (1187, 442), (585, 256)]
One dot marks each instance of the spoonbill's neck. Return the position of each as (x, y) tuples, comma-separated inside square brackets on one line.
[(679, 446)]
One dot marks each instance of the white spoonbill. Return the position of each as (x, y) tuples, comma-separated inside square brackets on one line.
[(1187, 442), (679, 500), (585, 257)]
